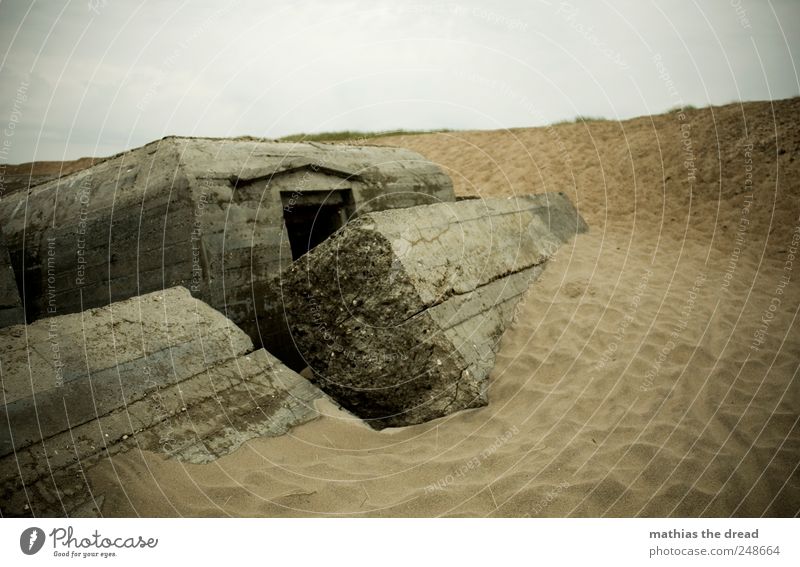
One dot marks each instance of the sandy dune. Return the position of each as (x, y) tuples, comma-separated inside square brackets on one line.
[(651, 371)]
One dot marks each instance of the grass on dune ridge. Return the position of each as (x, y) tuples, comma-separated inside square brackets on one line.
[(353, 136), (358, 136)]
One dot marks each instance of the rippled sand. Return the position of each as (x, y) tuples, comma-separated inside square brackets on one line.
[(652, 370)]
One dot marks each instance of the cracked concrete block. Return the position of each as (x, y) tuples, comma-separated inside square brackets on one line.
[(399, 314), (161, 372)]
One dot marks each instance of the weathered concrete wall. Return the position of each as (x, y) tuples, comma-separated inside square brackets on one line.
[(202, 213), (400, 313), (106, 233), (11, 312), (161, 372), (380, 177)]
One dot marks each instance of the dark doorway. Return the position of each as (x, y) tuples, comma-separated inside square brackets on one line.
[(312, 216), (31, 294)]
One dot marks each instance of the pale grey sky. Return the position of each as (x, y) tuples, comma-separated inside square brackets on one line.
[(94, 77)]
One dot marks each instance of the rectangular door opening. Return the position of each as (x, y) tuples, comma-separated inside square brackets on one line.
[(312, 216)]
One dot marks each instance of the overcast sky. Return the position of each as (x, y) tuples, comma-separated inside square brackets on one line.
[(94, 77)]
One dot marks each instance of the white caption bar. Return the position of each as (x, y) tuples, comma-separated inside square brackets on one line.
[(354, 542)]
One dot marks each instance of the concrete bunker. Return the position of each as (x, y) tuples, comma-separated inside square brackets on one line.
[(395, 293), (220, 217), (358, 262)]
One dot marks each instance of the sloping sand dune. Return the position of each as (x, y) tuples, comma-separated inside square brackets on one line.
[(652, 370)]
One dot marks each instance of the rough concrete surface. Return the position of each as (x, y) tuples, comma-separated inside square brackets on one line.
[(161, 372), (399, 314)]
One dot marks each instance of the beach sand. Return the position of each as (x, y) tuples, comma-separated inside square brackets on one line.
[(651, 371)]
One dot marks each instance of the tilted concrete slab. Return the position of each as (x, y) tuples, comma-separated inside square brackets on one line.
[(162, 372), (399, 314)]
